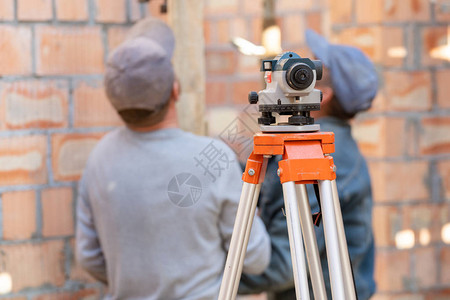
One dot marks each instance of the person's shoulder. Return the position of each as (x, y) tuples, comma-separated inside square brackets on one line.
[(211, 143), (107, 142)]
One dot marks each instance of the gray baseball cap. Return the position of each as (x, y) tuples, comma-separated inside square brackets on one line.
[(139, 75), (353, 75), (156, 30)]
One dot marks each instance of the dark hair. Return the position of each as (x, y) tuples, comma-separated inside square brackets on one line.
[(335, 109), (143, 117)]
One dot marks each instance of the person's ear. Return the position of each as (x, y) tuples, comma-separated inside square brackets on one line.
[(327, 94), (175, 90)]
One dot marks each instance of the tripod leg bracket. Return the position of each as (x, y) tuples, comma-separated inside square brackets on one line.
[(255, 169), (307, 170)]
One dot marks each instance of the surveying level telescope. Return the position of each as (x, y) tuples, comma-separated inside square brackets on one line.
[(289, 91), (306, 160)]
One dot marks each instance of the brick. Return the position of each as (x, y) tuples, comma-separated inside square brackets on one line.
[(392, 268), (84, 294), (340, 11), (19, 215), (408, 296), (34, 104), (392, 50), (71, 10), (423, 219), (442, 10), (369, 11), (69, 50), (220, 62), (444, 174), (70, 154), (381, 297), (34, 10), (207, 32), (426, 267), (116, 36), (216, 92), (22, 160), (365, 38), (154, 10), (443, 88), (35, 265), (409, 10), (381, 137), (6, 10), (223, 31), (238, 28), (289, 5), (444, 259), (92, 108), (441, 294), (419, 216), (249, 64), (399, 181), (241, 89), (293, 27), (408, 91), (434, 137), (57, 212), (386, 222), (111, 11), (384, 45), (314, 21), (219, 7), (379, 103), (434, 42), (256, 26), (77, 273), (253, 7), (15, 44)]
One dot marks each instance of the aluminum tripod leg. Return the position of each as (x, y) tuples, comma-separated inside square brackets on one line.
[(239, 241), (346, 264), (312, 252), (295, 241), (332, 241)]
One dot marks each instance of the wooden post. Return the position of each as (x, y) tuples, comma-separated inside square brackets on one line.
[(186, 20)]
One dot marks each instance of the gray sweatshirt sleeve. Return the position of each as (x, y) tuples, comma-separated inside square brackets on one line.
[(258, 253), (89, 253)]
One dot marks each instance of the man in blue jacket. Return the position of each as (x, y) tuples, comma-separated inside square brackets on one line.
[(349, 85)]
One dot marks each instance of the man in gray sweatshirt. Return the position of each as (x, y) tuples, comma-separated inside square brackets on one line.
[(156, 205)]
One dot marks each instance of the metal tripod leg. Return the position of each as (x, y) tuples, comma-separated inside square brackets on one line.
[(346, 264), (332, 241), (312, 252), (295, 241), (239, 241)]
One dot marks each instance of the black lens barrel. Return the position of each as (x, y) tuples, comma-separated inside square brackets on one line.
[(299, 76)]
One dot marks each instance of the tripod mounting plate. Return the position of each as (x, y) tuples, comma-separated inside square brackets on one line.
[(289, 128)]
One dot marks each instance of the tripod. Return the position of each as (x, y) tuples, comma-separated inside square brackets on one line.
[(305, 160)]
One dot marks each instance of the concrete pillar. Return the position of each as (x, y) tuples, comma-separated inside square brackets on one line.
[(186, 19)]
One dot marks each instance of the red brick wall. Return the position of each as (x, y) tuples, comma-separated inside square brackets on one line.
[(52, 112), (405, 137)]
